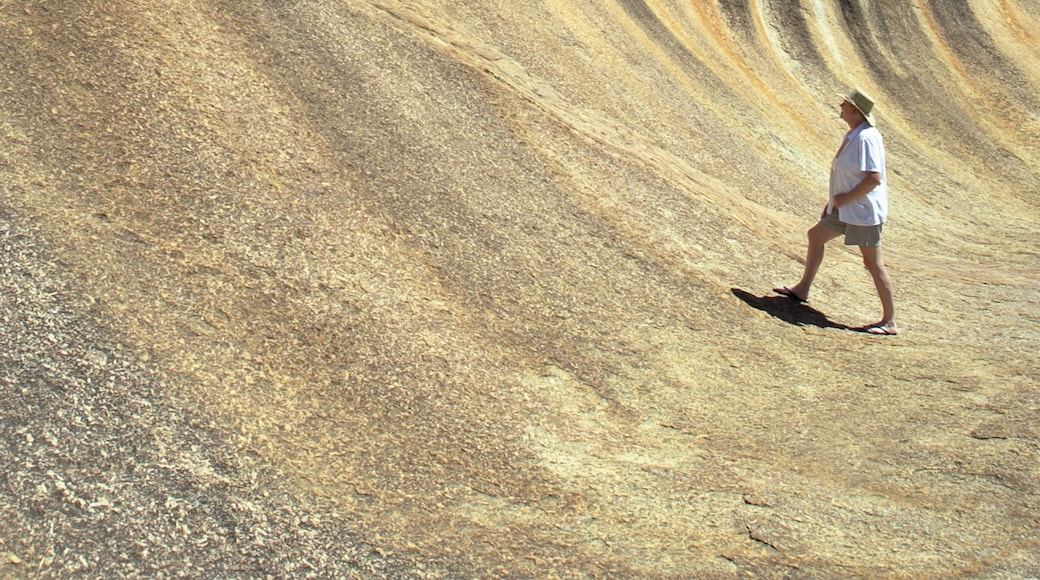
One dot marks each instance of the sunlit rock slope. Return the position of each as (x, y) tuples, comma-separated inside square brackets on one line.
[(489, 282)]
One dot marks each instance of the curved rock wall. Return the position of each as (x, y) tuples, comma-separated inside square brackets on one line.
[(490, 280)]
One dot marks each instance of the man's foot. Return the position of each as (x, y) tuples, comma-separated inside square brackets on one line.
[(785, 291), (882, 329)]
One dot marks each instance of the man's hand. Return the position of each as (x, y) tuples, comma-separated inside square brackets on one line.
[(871, 179)]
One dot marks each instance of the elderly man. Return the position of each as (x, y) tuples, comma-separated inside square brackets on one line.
[(857, 208)]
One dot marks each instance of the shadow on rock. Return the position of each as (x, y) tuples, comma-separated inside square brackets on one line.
[(788, 310)]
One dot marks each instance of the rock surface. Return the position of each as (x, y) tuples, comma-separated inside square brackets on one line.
[(381, 288)]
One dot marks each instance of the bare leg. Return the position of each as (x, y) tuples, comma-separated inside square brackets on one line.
[(818, 235), (876, 266)]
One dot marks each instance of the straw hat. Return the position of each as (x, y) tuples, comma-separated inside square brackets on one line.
[(863, 102)]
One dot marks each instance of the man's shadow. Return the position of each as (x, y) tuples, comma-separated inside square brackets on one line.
[(788, 310)]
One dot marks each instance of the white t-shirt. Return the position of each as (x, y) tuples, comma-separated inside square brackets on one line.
[(864, 152)]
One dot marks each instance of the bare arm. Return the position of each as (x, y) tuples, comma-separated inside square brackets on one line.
[(870, 180)]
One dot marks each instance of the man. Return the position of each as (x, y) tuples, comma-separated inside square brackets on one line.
[(857, 208)]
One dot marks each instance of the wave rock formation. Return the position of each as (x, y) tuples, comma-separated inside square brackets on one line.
[(483, 289)]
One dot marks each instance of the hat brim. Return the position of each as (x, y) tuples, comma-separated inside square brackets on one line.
[(869, 118)]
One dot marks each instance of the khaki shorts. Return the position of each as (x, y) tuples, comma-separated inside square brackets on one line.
[(854, 235)]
